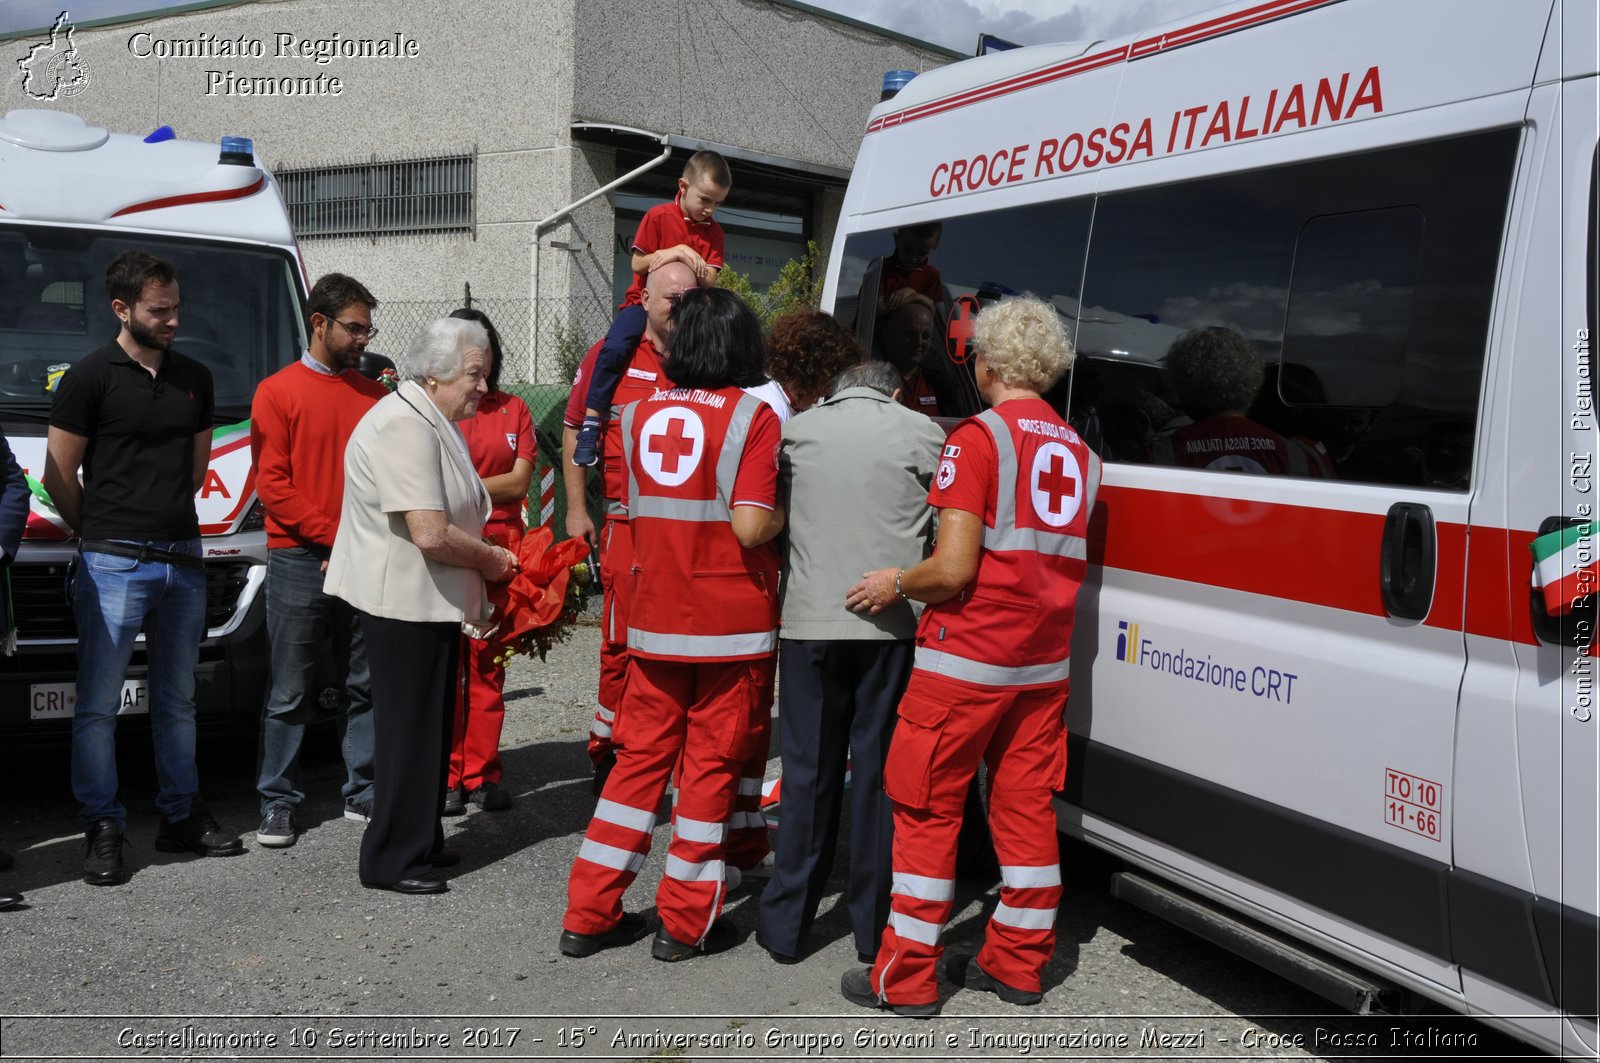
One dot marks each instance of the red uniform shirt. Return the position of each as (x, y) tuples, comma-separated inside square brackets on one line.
[(1237, 444), (665, 226), (1015, 618), (920, 397), (497, 435), (300, 421), (923, 279), (640, 380)]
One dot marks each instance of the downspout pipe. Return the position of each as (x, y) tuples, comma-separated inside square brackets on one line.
[(561, 215)]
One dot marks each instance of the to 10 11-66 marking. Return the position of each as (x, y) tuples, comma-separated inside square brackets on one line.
[(1413, 803)]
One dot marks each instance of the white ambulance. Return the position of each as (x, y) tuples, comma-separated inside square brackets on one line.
[(1320, 716), (73, 197)]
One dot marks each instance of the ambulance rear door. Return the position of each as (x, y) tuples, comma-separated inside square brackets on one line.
[(1523, 893)]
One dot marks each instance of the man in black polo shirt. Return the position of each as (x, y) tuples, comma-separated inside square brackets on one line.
[(135, 416)]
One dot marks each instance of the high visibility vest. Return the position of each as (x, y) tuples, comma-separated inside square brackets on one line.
[(1012, 626), (697, 594), (1234, 444)]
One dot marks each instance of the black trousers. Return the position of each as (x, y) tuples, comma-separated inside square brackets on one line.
[(416, 676), (836, 699)]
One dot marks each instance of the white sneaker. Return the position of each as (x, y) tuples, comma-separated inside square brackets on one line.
[(277, 828), (764, 868)]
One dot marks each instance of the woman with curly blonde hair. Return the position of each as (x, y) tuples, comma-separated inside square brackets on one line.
[(1014, 492)]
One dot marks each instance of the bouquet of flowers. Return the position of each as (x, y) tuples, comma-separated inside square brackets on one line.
[(536, 605)]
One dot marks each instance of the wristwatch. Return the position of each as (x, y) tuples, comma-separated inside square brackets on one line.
[(897, 589)]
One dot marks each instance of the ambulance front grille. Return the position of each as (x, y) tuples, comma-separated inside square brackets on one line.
[(39, 598)]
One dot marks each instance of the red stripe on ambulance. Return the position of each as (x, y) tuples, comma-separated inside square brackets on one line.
[(1230, 23), (1200, 31), (213, 196), (1263, 548)]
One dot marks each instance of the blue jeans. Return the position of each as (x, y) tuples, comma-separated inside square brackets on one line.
[(113, 597), (304, 626)]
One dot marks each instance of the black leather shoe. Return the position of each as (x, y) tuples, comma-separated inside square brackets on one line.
[(857, 988), (196, 833), (454, 803), (669, 949), (785, 958), (102, 862), (964, 971), (10, 900), (445, 858), (631, 928), (6, 860), (490, 797), (411, 885)]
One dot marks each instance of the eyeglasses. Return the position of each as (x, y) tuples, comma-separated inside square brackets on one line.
[(357, 332)]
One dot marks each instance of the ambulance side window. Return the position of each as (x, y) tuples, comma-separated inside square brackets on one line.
[(1037, 248), (1364, 284)]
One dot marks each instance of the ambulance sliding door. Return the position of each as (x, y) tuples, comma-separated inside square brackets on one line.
[(1265, 676), (1523, 894)]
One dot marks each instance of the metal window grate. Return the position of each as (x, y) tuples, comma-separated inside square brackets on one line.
[(411, 196)]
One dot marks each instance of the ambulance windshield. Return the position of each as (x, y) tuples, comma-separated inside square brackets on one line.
[(239, 311)]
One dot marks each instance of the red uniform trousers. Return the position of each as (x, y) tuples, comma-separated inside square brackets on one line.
[(946, 727), (707, 715), (747, 829), (616, 558), (481, 705)]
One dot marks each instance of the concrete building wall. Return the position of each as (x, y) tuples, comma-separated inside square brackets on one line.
[(503, 79), (742, 72)]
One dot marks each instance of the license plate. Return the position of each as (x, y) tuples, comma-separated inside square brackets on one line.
[(58, 701)]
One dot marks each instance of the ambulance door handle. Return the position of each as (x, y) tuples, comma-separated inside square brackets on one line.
[(1406, 571)]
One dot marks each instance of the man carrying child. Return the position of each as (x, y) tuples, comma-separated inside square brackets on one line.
[(681, 231)]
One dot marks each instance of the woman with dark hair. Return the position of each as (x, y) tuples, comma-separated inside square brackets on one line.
[(702, 631), (500, 441), (715, 341), (806, 350)]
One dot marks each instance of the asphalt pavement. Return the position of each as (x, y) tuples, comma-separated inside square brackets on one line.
[(282, 954)]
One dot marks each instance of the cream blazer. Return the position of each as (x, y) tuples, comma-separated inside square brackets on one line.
[(402, 456)]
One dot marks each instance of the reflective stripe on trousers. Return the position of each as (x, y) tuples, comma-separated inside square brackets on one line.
[(945, 663)]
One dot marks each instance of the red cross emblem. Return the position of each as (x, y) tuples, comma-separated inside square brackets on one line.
[(958, 329), (1055, 485), (670, 445)]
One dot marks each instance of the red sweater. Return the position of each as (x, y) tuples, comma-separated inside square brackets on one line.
[(300, 422)]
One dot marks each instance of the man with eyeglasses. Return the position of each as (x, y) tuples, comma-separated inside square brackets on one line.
[(300, 421)]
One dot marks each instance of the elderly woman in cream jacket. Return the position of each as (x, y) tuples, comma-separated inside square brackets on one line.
[(410, 557)]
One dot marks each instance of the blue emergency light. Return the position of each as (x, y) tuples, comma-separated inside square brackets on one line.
[(238, 151), (894, 81)]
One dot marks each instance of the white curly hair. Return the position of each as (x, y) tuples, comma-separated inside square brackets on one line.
[(1024, 342)]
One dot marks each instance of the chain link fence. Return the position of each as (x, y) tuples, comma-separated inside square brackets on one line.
[(541, 372), (565, 330)]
